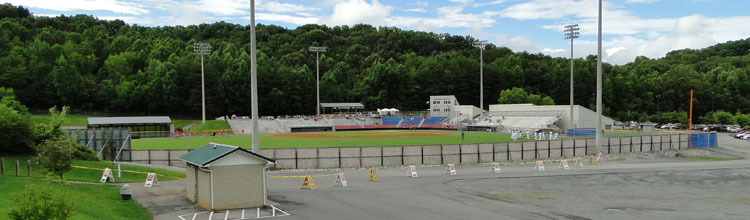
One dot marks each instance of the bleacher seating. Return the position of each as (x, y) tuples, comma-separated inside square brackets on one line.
[(391, 120), (433, 121), (410, 121)]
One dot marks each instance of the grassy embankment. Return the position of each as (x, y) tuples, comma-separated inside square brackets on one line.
[(93, 200)]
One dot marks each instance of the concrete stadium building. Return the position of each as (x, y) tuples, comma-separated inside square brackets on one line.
[(551, 116)]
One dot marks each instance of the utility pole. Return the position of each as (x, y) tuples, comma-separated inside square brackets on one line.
[(317, 51), (254, 79), (203, 49), (571, 32), (599, 85), (480, 44)]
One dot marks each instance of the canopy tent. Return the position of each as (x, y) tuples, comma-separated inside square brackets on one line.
[(388, 111)]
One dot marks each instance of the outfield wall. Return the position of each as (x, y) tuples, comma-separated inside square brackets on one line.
[(349, 157)]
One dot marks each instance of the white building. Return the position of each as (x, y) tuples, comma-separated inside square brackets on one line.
[(448, 106), (538, 116)]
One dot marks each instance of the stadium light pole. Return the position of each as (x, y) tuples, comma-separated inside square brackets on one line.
[(480, 44), (317, 51), (254, 79), (203, 49), (571, 32), (599, 85)]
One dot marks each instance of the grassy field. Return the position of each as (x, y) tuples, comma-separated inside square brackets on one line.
[(70, 120), (90, 171), (269, 141), (94, 201)]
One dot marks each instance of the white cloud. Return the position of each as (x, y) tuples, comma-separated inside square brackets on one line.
[(87, 5), (461, 1), (694, 31), (420, 4), (549, 50), (278, 7), (495, 2), (422, 10), (351, 12), (641, 1), (298, 20)]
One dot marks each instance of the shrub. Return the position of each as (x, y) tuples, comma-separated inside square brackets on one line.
[(57, 154), (41, 204)]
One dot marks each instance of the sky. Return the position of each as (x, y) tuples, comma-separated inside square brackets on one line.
[(631, 28)]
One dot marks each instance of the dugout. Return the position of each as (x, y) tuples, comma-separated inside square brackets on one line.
[(342, 107), (221, 177), (146, 126)]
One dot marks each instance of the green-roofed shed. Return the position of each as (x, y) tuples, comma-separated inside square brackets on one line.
[(221, 177)]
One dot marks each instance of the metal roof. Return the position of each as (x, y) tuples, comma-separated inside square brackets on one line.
[(342, 105), (211, 152), (130, 120)]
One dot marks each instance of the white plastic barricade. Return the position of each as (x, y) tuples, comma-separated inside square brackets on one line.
[(340, 180), (564, 165), (107, 176), (598, 156), (539, 165), (495, 168), (451, 169), (151, 179), (579, 162), (412, 171)]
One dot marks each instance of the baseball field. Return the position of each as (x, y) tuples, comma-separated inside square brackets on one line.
[(327, 139)]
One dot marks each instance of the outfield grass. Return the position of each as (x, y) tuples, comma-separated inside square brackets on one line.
[(93, 201), (89, 171), (268, 141), (70, 119)]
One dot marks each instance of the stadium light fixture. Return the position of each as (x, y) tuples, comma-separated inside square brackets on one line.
[(317, 51), (599, 85), (571, 32), (254, 79), (481, 44), (203, 49)]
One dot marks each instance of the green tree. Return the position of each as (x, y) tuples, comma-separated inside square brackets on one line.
[(37, 203), (743, 120), (57, 155), (16, 131), (723, 117), (512, 96)]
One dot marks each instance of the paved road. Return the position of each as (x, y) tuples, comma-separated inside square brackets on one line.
[(678, 189)]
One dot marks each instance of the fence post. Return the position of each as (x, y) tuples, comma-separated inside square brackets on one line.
[(521, 150), (441, 154), (340, 158), (641, 143), (652, 142), (631, 144), (169, 157), (609, 145), (149, 156), (17, 168), (2, 166), (421, 154), (574, 146), (28, 168), (549, 149), (507, 150), (381, 156), (493, 153), (620, 144), (585, 147)]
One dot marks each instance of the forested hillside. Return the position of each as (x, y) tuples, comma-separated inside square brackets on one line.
[(92, 64)]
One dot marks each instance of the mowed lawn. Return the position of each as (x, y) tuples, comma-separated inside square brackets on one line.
[(336, 139), (93, 201)]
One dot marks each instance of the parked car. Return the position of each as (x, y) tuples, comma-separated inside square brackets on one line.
[(742, 135), (715, 128), (734, 129)]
